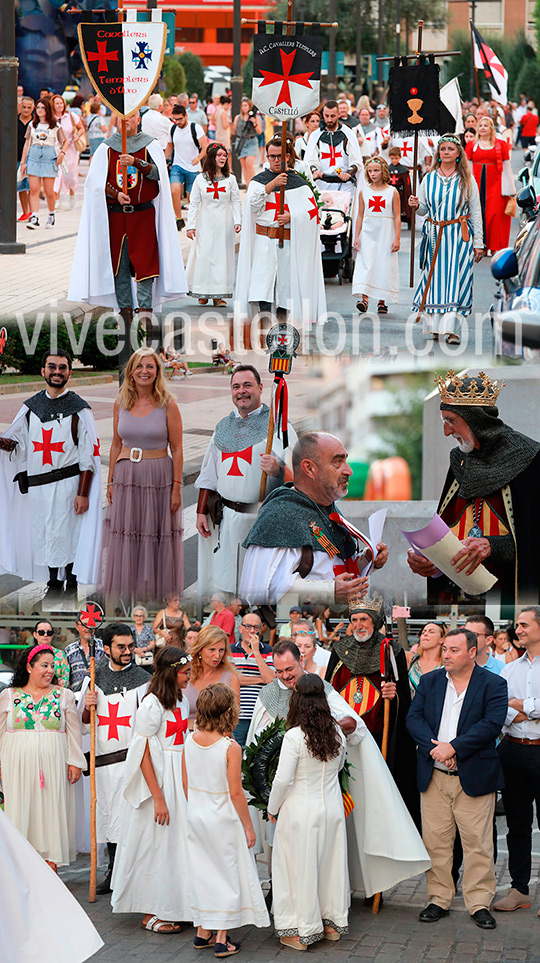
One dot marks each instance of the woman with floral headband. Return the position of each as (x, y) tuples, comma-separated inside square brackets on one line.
[(150, 873), (215, 216), (452, 240), (40, 756)]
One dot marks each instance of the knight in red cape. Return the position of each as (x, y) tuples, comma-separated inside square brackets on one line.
[(356, 672), (288, 280)]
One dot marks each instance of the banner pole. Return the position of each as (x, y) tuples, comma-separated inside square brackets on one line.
[(415, 169), (281, 229), (123, 130)]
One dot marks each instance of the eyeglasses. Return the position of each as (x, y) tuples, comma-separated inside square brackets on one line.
[(125, 648), (44, 631), (57, 367), (304, 632), (251, 627)]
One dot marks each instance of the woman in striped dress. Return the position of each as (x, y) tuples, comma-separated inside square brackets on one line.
[(452, 240)]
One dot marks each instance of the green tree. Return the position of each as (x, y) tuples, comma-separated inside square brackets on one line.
[(528, 80), (174, 75), (194, 71), (401, 431), (515, 54)]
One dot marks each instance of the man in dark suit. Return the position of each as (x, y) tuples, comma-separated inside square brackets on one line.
[(455, 718)]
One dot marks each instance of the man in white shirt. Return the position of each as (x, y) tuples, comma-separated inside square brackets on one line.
[(455, 718), (519, 752), (154, 123), (187, 144)]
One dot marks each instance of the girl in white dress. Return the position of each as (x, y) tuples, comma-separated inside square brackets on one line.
[(215, 216), (226, 892), (309, 862), (150, 870), (377, 239)]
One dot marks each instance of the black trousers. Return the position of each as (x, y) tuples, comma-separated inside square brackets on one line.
[(521, 767)]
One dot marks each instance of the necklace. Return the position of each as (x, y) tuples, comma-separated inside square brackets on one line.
[(476, 531)]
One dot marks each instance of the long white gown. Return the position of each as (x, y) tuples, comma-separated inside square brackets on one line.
[(309, 863), (376, 273), (150, 870), (214, 209), (226, 892), (40, 919), (37, 744)]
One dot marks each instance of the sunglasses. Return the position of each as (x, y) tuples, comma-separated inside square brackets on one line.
[(44, 631)]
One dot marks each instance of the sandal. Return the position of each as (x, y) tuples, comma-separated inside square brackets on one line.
[(382, 308), (293, 942), (453, 339), (203, 301), (219, 303), (155, 925), (222, 949), (362, 305), (331, 934), (201, 944)]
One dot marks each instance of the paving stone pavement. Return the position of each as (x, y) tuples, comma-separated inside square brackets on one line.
[(393, 936)]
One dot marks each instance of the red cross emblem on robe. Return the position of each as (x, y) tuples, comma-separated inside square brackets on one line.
[(313, 210), (96, 449), (394, 179), (275, 207), (46, 446), (332, 155), (217, 190), (377, 203), (176, 728), (245, 455), (113, 721), (406, 148)]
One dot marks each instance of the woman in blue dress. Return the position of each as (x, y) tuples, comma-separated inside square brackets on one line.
[(452, 240)]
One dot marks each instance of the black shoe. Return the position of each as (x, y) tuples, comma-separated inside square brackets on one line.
[(433, 913), (105, 886), (368, 901), (180, 223), (484, 919)]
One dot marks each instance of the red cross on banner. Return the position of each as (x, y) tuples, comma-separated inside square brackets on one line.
[(91, 615), (102, 56), (275, 207), (176, 728), (377, 203), (332, 155), (406, 148), (269, 77), (47, 446), (313, 211), (245, 455), (114, 720), (217, 190)]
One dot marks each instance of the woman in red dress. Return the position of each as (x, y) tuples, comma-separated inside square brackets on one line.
[(490, 159)]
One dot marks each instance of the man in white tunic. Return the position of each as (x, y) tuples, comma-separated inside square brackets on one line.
[(120, 687), (287, 279), (384, 845), (51, 500), (333, 153), (300, 546), (231, 477)]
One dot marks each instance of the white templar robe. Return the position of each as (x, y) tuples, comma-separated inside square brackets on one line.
[(214, 209)]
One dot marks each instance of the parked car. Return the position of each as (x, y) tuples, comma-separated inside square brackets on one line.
[(516, 309)]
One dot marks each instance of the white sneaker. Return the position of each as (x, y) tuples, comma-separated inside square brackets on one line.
[(50, 222), (189, 373), (33, 222), (72, 201)]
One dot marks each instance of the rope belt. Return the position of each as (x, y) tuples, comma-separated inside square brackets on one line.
[(137, 454), (462, 219), (272, 231), (441, 224)]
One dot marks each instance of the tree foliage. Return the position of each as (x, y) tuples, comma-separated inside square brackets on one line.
[(515, 54), (401, 431), (194, 71), (174, 75)]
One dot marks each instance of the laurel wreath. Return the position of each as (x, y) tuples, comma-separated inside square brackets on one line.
[(261, 761)]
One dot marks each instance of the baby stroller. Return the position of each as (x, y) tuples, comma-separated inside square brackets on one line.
[(336, 230)]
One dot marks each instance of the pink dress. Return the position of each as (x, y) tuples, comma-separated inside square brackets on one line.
[(143, 556), (67, 178)]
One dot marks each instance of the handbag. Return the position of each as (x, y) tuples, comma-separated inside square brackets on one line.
[(80, 142), (511, 207)]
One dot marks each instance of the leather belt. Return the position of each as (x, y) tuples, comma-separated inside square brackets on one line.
[(457, 220), (523, 742), (49, 477), (272, 231), (129, 208), (244, 508), (446, 772), (137, 454), (107, 759)]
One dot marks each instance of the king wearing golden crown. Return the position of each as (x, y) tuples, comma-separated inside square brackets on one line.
[(490, 496)]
